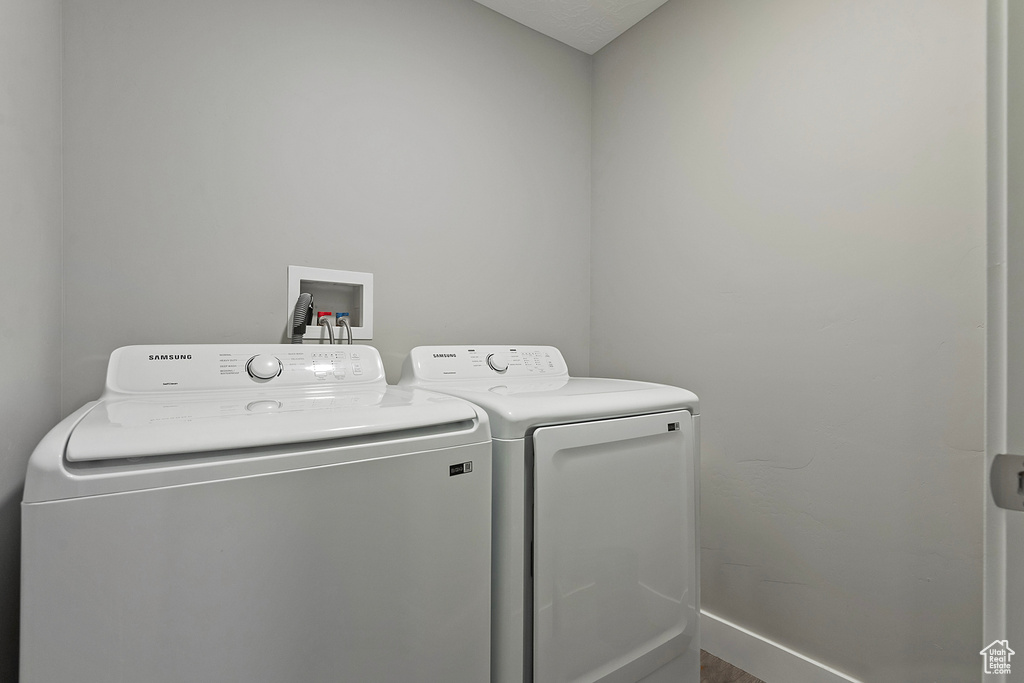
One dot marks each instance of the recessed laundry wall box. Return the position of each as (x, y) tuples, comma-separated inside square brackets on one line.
[(336, 292)]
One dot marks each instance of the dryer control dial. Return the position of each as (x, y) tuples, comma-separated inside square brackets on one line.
[(497, 362), (264, 366)]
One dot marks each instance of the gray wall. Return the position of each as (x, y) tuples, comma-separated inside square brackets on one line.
[(30, 280), (209, 145), (789, 219)]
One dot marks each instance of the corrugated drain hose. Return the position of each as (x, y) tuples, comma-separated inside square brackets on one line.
[(302, 316)]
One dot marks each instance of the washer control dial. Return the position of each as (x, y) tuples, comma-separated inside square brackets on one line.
[(264, 366), (497, 362)]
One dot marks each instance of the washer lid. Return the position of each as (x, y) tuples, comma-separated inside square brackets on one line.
[(139, 427)]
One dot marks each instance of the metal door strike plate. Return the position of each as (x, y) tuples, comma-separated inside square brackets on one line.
[(1008, 481)]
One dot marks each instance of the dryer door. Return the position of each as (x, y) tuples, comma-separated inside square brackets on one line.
[(615, 552)]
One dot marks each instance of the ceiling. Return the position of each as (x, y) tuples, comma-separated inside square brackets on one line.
[(587, 25)]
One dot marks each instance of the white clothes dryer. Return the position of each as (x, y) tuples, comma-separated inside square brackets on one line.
[(258, 513), (595, 542)]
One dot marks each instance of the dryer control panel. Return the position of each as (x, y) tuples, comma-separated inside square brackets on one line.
[(485, 362), (206, 367)]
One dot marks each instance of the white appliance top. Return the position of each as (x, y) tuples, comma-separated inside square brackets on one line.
[(165, 400), (522, 387)]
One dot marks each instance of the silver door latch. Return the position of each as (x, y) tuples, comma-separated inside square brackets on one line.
[(1007, 481)]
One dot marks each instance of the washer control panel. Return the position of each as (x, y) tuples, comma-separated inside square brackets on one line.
[(484, 362), (205, 367)]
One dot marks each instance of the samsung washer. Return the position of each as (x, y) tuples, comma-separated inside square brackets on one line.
[(258, 514), (595, 548)]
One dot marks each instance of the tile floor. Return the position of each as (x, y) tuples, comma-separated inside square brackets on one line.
[(714, 670)]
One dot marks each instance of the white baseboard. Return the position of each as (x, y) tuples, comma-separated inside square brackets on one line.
[(755, 654)]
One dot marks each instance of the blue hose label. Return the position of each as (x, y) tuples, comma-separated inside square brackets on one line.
[(461, 468)]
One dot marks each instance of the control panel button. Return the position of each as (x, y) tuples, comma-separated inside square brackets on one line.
[(497, 362), (264, 366)]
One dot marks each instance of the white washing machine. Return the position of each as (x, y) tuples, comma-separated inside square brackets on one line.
[(258, 513), (595, 549)]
